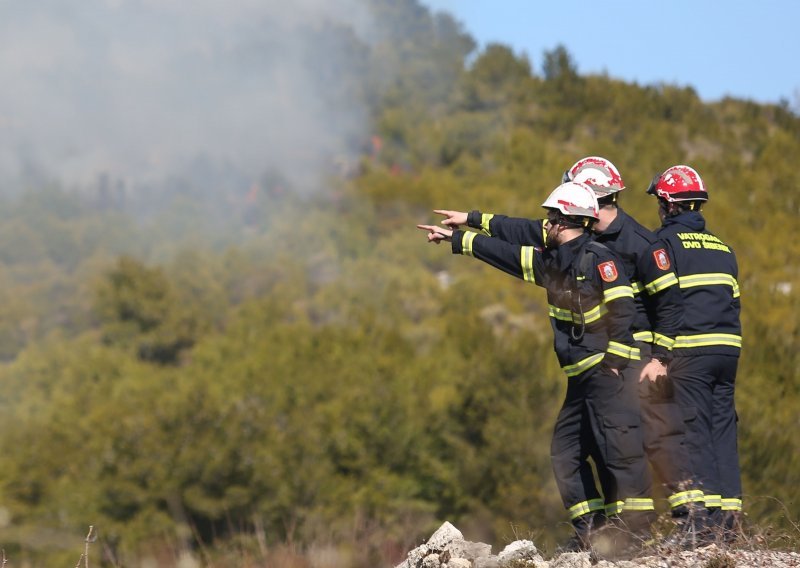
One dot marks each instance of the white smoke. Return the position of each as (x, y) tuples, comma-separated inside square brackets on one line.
[(140, 89)]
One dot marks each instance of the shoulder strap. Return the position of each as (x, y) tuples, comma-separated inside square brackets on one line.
[(592, 249)]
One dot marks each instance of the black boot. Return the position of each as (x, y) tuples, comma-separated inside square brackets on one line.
[(584, 526), (694, 528), (625, 536), (731, 527)]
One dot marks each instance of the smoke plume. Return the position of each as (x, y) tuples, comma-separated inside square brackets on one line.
[(142, 89)]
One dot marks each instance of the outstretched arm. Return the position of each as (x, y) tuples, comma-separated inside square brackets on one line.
[(520, 261), (517, 231)]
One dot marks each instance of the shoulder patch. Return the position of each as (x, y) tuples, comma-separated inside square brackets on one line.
[(661, 258), (608, 271)]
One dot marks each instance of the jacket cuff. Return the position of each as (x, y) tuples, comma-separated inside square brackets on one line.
[(456, 241), (615, 361), (474, 219), (661, 353)]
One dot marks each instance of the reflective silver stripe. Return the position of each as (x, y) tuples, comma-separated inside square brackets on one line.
[(710, 279), (713, 500), (663, 340), (585, 507), (591, 315), (645, 336), (707, 340), (583, 364), (678, 499), (485, 218), (636, 287), (731, 504), (622, 350), (661, 283), (617, 292), (526, 260), (466, 243), (614, 508), (638, 504)]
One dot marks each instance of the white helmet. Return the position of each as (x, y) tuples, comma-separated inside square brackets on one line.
[(574, 199), (598, 173)]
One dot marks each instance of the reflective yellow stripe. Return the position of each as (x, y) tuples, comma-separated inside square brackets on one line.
[(731, 504), (585, 507), (583, 364), (661, 283), (614, 508), (527, 264), (567, 315), (638, 504), (663, 340), (637, 287), (710, 279), (591, 315), (707, 340), (622, 350), (466, 243), (713, 500), (645, 336), (559, 313), (485, 218), (678, 499), (617, 292)]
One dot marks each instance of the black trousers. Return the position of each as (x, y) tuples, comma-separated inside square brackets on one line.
[(600, 418), (664, 436), (704, 387)]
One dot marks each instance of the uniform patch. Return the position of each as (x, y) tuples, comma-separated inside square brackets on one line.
[(608, 271), (662, 260)]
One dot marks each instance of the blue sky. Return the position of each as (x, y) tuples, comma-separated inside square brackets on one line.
[(744, 49)]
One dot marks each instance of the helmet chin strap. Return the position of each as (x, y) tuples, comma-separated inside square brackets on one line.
[(610, 199), (580, 223), (678, 207)]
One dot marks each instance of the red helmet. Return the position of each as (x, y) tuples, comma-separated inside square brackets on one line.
[(679, 183), (598, 173)]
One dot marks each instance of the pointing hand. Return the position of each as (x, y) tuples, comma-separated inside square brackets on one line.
[(436, 234), (452, 219)]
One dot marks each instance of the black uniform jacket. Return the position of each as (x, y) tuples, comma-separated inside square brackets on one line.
[(590, 298), (648, 263), (708, 278)]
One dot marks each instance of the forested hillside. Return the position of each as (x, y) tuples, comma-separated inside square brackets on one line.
[(240, 369)]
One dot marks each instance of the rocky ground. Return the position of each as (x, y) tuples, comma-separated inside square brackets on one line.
[(446, 548)]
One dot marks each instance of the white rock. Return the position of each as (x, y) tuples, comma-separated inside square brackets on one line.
[(460, 548), (443, 536), (571, 560), (487, 562), (415, 557), (519, 550), (459, 563), (431, 561)]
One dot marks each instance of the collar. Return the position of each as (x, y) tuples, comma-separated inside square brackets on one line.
[(568, 251), (693, 220), (616, 225)]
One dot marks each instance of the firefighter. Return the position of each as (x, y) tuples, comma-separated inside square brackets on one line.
[(706, 351), (659, 316), (591, 310)]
